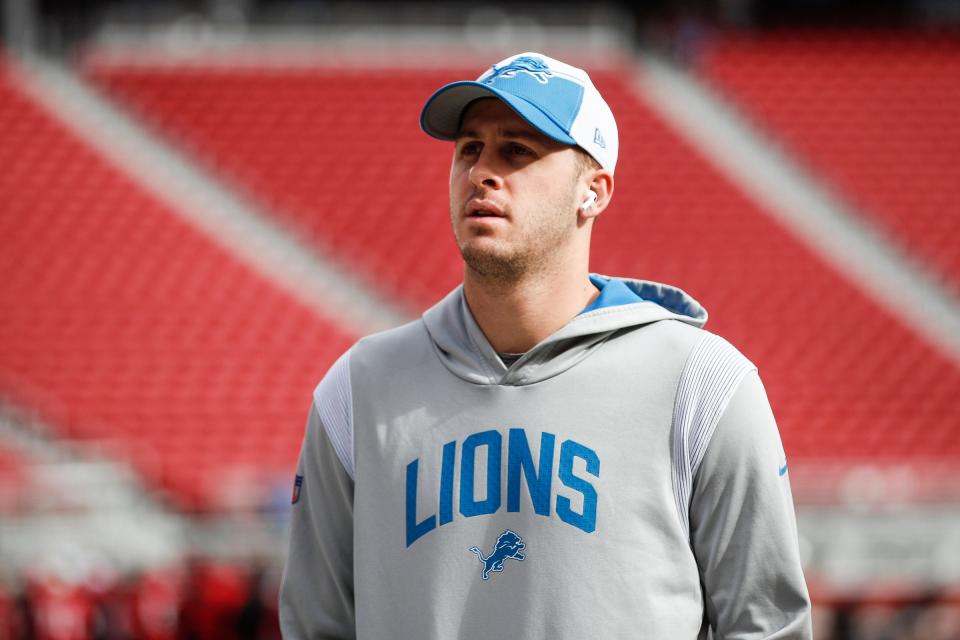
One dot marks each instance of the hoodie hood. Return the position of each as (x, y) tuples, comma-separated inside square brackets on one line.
[(465, 351)]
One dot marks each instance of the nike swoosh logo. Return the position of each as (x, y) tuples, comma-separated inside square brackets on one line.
[(783, 469)]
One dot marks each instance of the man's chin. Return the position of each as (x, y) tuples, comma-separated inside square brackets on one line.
[(493, 262)]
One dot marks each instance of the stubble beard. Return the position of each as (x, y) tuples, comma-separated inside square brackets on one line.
[(528, 252), (498, 268)]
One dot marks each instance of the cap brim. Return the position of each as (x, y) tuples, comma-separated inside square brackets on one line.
[(441, 114)]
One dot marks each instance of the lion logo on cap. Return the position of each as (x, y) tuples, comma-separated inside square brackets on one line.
[(536, 67)]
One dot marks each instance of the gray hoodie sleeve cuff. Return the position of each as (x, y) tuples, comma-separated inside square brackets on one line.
[(743, 526)]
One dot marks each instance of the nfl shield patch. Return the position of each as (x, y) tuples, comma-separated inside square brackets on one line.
[(297, 483)]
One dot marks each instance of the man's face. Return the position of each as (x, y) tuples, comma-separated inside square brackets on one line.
[(513, 192)]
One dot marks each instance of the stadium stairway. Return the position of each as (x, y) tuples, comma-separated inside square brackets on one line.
[(873, 113), (122, 323)]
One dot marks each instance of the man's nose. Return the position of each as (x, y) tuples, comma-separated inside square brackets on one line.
[(486, 171)]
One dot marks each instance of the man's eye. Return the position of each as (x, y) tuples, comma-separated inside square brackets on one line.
[(470, 149), (518, 150)]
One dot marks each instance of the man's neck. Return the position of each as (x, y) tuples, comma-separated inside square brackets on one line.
[(518, 315)]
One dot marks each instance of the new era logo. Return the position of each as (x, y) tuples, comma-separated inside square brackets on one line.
[(598, 139)]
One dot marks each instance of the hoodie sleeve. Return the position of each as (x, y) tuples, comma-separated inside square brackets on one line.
[(743, 527), (316, 593)]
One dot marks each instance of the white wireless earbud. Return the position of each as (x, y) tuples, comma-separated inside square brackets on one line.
[(589, 201)]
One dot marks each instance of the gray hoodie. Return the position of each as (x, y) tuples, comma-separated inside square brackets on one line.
[(622, 479)]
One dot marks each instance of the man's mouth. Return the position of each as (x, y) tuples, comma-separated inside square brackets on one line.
[(484, 209)]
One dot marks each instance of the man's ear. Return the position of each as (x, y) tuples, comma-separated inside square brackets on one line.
[(601, 183)]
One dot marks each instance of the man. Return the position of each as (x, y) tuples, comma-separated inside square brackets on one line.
[(546, 453)]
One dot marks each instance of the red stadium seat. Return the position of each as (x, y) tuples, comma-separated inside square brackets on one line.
[(338, 156), (120, 322), (874, 113)]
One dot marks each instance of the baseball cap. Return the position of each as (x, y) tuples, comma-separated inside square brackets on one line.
[(557, 99)]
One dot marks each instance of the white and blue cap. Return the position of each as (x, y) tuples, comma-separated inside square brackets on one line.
[(556, 98)]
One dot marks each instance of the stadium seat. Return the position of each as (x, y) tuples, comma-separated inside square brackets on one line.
[(874, 114), (337, 155), (120, 322)]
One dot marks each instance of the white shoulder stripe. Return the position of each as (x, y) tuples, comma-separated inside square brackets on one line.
[(710, 377), (333, 398)]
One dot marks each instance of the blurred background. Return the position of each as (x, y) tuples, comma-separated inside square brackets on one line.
[(204, 202)]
